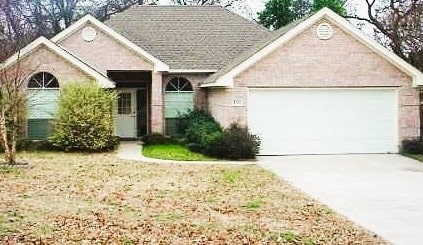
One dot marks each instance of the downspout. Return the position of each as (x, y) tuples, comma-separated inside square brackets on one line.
[(207, 103)]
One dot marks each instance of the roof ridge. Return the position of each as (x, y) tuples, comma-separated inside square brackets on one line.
[(194, 37)]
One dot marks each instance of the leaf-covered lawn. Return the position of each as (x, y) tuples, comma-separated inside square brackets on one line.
[(98, 199), (173, 152)]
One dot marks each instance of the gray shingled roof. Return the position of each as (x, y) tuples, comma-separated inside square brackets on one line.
[(254, 49), (189, 37)]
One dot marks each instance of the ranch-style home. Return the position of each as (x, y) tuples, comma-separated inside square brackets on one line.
[(317, 86)]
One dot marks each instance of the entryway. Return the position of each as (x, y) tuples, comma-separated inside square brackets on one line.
[(132, 120), (126, 116)]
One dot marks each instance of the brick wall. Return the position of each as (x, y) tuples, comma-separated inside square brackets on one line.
[(307, 61), (44, 60), (104, 53)]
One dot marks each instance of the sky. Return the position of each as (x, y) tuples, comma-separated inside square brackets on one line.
[(254, 6)]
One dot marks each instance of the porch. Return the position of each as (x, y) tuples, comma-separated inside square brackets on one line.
[(139, 104)]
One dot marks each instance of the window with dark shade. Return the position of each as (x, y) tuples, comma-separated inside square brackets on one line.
[(42, 97)]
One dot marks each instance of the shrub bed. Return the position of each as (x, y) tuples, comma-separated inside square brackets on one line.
[(36, 145), (236, 142), (205, 135), (158, 139), (200, 130), (413, 146)]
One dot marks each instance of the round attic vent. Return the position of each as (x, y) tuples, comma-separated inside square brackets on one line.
[(324, 31), (89, 34)]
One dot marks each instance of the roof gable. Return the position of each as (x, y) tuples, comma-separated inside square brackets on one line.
[(225, 77), (158, 64), (103, 81), (104, 53)]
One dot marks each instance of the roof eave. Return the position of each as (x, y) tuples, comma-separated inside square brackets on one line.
[(103, 81), (180, 71), (418, 81), (378, 48), (223, 82), (229, 76)]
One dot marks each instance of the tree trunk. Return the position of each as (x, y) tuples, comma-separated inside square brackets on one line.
[(10, 157), (9, 152)]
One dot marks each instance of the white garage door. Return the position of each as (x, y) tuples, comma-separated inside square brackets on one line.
[(324, 121)]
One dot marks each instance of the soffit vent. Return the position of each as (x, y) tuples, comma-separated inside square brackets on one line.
[(324, 31), (89, 34)]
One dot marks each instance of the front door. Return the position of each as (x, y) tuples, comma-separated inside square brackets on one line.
[(126, 114)]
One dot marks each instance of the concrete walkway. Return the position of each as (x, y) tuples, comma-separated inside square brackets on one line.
[(132, 150), (383, 193)]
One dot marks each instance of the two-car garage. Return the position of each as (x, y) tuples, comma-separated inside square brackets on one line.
[(322, 87), (324, 121)]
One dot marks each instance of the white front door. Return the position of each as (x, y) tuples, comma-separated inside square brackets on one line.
[(126, 114)]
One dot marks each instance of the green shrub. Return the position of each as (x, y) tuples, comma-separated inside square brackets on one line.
[(157, 139), (85, 120), (236, 143), (203, 134), (200, 130), (413, 146)]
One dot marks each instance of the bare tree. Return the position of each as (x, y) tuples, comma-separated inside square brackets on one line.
[(399, 23), (12, 109), (15, 32), (104, 9), (224, 3), (24, 20)]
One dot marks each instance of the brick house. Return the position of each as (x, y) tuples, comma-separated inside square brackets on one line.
[(317, 86)]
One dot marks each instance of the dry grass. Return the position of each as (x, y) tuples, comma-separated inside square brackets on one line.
[(98, 199)]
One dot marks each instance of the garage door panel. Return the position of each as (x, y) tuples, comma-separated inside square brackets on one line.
[(306, 131), (324, 121), (324, 147)]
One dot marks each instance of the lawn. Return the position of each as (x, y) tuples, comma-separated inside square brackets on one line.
[(173, 152), (99, 199)]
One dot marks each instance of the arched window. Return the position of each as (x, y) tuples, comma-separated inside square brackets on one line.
[(43, 95), (179, 99), (43, 80), (179, 84)]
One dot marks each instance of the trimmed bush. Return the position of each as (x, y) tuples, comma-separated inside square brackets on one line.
[(203, 134), (200, 130), (414, 146), (85, 120), (236, 143)]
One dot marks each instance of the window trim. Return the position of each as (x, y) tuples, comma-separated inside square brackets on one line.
[(43, 85), (178, 80)]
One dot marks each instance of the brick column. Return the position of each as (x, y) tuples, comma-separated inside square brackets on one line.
[(156, 105)]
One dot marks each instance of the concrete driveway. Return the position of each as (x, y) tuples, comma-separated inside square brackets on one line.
[(383, 193)]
